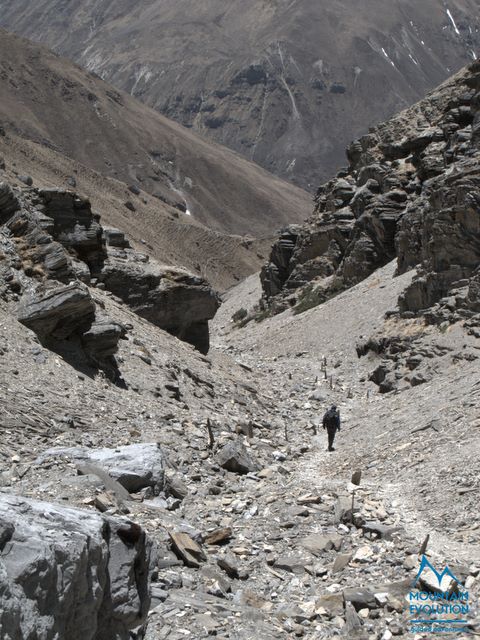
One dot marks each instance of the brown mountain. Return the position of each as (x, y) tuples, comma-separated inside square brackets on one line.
[(286, 83), (192, 200)]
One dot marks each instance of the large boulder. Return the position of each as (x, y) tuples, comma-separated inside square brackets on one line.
[(134, 466), (100, 340), (68, 573), (171, 298), (234, 456), (74, 224), (57, 311)]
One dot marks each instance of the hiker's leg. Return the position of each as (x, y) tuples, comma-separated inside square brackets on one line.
[(331, 438)]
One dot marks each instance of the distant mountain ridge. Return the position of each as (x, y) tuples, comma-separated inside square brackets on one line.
[(287, 84), (159, 171)]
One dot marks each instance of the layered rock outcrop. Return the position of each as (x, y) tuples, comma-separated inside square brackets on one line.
[(68, 573), (174, 300), (56, 249), (411, 191)]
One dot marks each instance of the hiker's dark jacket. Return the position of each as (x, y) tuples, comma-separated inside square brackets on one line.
[(331, 420)]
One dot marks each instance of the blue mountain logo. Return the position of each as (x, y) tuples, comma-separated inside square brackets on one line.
[(426, 565)]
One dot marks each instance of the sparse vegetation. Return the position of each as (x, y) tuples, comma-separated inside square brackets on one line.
[(309, 297), (239, 315)]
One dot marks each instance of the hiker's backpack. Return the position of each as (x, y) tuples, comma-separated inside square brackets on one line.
[(332, 419)]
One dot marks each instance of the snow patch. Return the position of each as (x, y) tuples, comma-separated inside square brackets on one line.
[(449, 14), (295, 111), (143, 73), (388, 57)]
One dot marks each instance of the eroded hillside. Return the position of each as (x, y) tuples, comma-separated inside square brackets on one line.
[(176, 493), (286, 84)]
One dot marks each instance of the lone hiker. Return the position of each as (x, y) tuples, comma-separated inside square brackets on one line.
[(331, 422)]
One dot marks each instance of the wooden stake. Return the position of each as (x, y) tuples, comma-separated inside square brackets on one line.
[(211, 438), (423, 548)]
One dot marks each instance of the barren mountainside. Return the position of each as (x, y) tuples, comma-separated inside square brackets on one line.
[(164, 473), (191, 200), (287, 84), (411, 193)]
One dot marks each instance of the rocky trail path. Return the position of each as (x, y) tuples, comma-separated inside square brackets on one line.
[(254, 534), (410, 446)]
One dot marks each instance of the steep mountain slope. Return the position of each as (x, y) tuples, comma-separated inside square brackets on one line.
[(54, 103), (378, 298), (147, 489), (286, 83), (154, 228), (411, 191)]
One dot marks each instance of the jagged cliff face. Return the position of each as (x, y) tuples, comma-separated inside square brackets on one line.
[(412, 191), (287, 84), (54, 253)]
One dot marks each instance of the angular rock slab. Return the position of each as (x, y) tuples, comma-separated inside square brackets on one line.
[(134, 466), (317, 543), (235, 457), (361, 598), (59, 311), (187, 549), (68, 573)]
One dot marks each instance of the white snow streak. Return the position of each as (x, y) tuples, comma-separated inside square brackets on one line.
[(449, 14), (387, 57)]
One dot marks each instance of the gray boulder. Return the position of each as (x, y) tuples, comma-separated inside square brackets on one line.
[(64, 311), (235, 457), (134, 466), (317, 543), (68, 573), (171, 298), (100, 340), (59, 311)]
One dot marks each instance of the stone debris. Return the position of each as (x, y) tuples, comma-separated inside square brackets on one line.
[(318, 543), (218, 536)]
